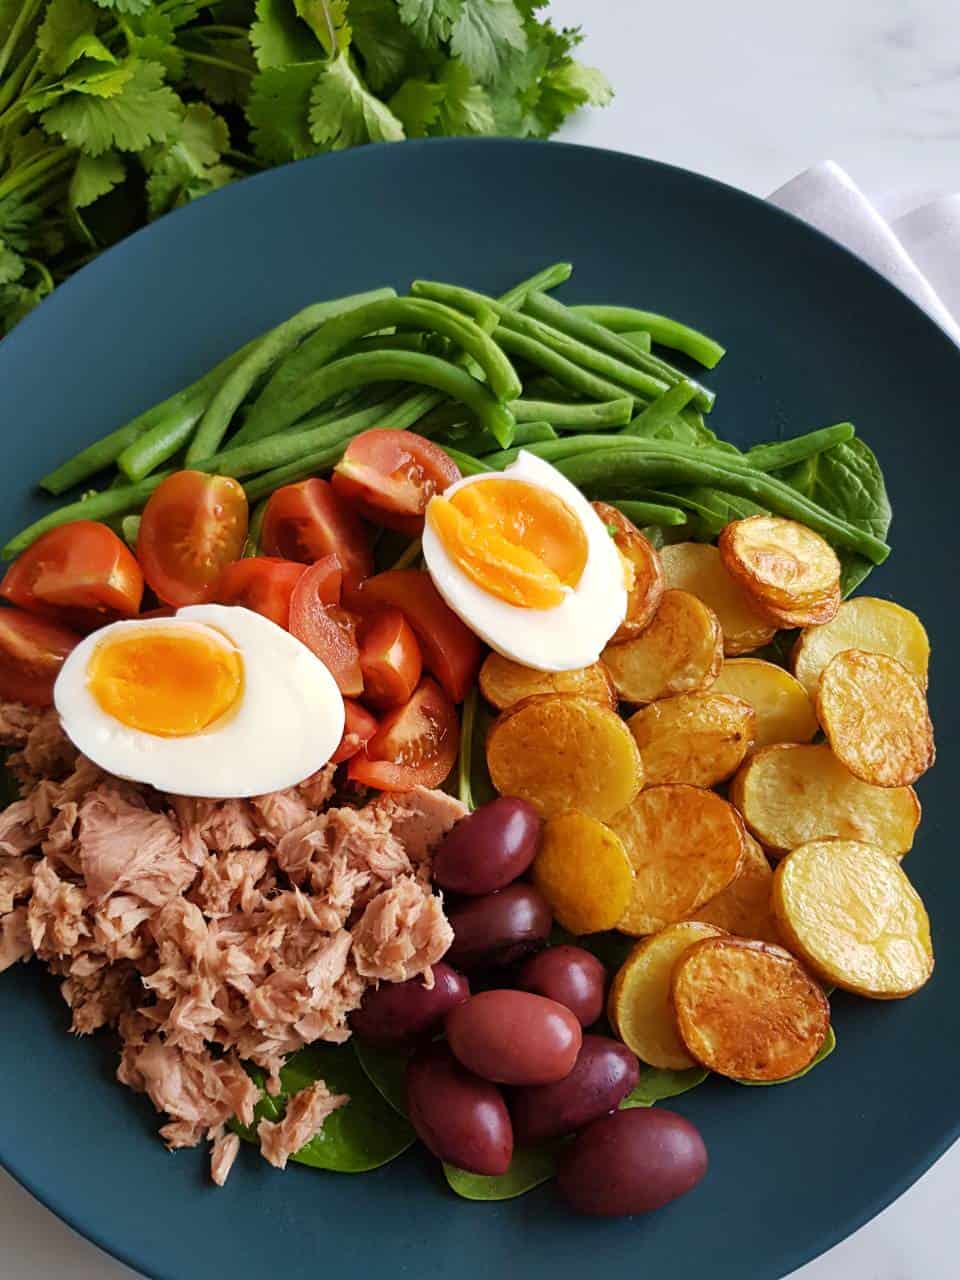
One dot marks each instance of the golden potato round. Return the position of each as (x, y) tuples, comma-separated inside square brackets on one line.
[(875, 626), (679, 652), (697, 567), (811, 615), (686, 846), (700, 738), (791, 794), (784, 712), (564, 753), (745, 907), (640, 1007), (849, 910), (583, 871), (875, 717), (748, 1010), (788, 571), (646, 588), (504, 682)]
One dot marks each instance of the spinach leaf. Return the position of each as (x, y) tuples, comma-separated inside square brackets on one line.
[(826, 1049), (386, 1069), (655, 1085), (529, 1167)]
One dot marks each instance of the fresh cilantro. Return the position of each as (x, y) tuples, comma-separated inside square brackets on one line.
[(126, 6), (145, 110), (327, 19), (343, 111), (12, 265), (465, 107), (220, 66), (65, 23), (153, 39), (431, 21), (280, 38), (416, 104), (278, 109), (484, 35), (387, 47), (93, 177)]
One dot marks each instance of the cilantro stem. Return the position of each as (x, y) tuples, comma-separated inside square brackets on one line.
[(209, 60), (25, 176), (29, 10), (43, 273), (18, 78), (222, 29)]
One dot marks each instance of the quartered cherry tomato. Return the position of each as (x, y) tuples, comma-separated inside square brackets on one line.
[(416, 745), (32, 651), (390, 476), (330, 632), (389, 659), (308, 521), (263, 584), (358, 729), (192, 527)]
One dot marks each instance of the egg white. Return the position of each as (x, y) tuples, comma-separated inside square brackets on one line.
[(570, 635), (286, 723)]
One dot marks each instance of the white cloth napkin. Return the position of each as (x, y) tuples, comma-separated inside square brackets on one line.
[(919, 252)]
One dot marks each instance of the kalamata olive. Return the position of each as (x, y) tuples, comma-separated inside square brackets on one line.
[(514, 1037), (457, 1116), (569, 975), (604, 1073), (398, 1011), (499, 927), (632, 1161), (489, 849)]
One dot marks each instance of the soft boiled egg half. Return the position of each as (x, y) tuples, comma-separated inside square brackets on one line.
[(526, 562), (216, 701)]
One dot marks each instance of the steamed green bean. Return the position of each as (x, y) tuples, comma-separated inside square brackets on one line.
[(662, 329)]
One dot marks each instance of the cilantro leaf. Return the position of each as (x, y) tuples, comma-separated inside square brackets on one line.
[(93, 177), (572, 85), (484, 34), (431, 20), (145, 110), (278, 109), (189, 165), (327, 19), (135, 7), (465, 107), (279, 37), (153, 38), (387, 47), (343, 111), (12, 265), (416, 104), (227, 78), (64, 22)]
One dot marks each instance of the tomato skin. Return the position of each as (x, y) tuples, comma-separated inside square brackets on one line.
[(32, 651), (263, 584), (450, 650), (327, 630), (192, 527), (308, 521), (390, 659), (81, 575), (416, 744), (390, 476), (359, 728)]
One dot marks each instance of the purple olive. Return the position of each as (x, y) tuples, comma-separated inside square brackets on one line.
[(396, 1012), (499, 928), (631, 1162), (569, 975), (604, 1073), (514, 1037), (489, 849), (458, 1117)]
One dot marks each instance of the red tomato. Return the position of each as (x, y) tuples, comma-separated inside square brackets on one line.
[(450, 650), (192, 527), (389, 659), (416, 745), (32, 651), (359, 729), (263, 584), (307, 521), (81, 574), (327, 630), (390, 476)]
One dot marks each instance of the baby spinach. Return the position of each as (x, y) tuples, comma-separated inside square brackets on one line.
[(655, 1085), (828, 1046), (386, 1069), (529, 1167)]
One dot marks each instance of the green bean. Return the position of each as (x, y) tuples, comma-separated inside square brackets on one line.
[(783, 453), (386, 342), (99, 506), (668, 333), (410, 555), (130, 530), (585, 415), (468, 466), (543, 387), (378, 396), (661, 411), (546, 279), (477, 441), (644, 513), (571, 375), (447, 416), (255, 529), (638, 338)]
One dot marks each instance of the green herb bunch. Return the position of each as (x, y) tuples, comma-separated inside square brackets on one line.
[(114, 111)]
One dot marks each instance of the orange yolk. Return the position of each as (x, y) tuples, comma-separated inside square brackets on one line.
[(167, 681), (515, 540)]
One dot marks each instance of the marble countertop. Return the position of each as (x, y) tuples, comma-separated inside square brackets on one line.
[(750, 93)]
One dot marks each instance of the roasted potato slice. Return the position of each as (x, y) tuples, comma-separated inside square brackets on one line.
[(849, 910), (640, 1007), (874, 626), (745, 907), (791, 794), (784, 712), (789, 572), (748, 1009), (583, 871), (680, 652), (875, 717), (697, 567), (564, 753), (686, 846), (646, 588), (700, 738), (504, 682)]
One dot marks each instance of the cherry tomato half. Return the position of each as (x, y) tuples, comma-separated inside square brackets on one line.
[(389, 659), (32, 651), (307, 521), (192, 527), (327, 630), (81, 575), (359, 728), (263, 584), (390, 476), (416, 745)]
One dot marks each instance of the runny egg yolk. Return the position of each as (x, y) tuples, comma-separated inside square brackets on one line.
[(166, 681), (515, 540)]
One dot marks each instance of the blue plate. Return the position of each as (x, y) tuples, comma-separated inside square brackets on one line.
[(814, 337)]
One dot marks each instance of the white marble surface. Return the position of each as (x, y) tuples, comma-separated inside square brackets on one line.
[(750, 92)]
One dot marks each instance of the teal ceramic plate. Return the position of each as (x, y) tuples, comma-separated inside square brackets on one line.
[(814, 337)]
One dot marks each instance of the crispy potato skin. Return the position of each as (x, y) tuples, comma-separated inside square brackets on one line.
[(647, 590), (790, 573), (681, 651), (504, 682), (564, 753), (849, 911), (793, 793), (813, 615), (745, 907), (875, 717), (869, 624), (686, 846), (748, 1010), (584, 873), (784, 712), (698, 568), (640, 1006), (699, 738)]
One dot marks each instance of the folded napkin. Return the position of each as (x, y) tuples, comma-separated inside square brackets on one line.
[(919, 252)]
